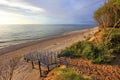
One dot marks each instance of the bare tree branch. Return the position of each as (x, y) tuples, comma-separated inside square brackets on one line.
[(6, 70)]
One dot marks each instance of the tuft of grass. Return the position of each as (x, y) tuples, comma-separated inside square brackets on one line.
[(68, 74)]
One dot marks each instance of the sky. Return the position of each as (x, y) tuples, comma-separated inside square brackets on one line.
[(48, 11)]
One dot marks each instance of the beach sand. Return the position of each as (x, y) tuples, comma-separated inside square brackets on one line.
[(53, 44)]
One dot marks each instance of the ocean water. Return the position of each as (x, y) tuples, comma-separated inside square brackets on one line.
[(14, 34)]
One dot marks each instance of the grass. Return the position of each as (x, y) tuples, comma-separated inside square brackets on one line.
[(68, 74)]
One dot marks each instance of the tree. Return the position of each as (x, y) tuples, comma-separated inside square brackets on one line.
[(109, 14), (6, 70)]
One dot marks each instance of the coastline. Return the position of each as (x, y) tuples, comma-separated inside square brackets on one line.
[(54, 44)]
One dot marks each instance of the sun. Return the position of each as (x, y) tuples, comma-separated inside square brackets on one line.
[(14, 18), (6, 19)]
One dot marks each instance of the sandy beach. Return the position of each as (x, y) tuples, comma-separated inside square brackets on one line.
[(52, 44), (24, 70)]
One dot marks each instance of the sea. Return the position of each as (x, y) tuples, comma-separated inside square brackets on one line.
[(16, 34)]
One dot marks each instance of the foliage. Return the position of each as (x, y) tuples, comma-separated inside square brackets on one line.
[(67, 53), (104, 59), (113, 43), (87, 50), (98, 53), (108, 14), (80, 49), (68, 74), (114, 31)]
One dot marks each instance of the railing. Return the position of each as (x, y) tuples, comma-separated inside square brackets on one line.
[(47, 59)]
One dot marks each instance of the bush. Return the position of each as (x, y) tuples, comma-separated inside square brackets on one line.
[(88, 50), (81, 49), (113, 43), (104, 59), (66, 53), (68, 74)]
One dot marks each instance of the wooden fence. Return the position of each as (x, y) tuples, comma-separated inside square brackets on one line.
[(47, 59)]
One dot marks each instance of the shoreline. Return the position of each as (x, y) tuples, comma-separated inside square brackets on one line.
[(53, 44), (29, 43)]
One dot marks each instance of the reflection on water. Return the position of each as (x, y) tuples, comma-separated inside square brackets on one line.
[(12, 34)]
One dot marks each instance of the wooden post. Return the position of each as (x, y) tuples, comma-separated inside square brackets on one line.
[(51, 58), (40, 68), (47, 58), (27, 60), (48, 68), (55, 58), (32, 64), (44, 56), (66, 63), (60, 61), (41, 58)]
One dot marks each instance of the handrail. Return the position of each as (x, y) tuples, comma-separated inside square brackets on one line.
[(46, 58)]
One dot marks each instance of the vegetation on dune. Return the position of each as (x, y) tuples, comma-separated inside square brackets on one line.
[(68, 74), (88, 50), (109, 14), (113, 43), (101, 51)]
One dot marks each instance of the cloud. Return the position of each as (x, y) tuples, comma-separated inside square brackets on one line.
[(21, 5), (53, 11), (68, 9)]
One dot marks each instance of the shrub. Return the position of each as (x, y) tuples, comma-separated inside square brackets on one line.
[(68, 74), (113, 43), (81, 49), (66, 53), (88, 50), (104, 59)]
